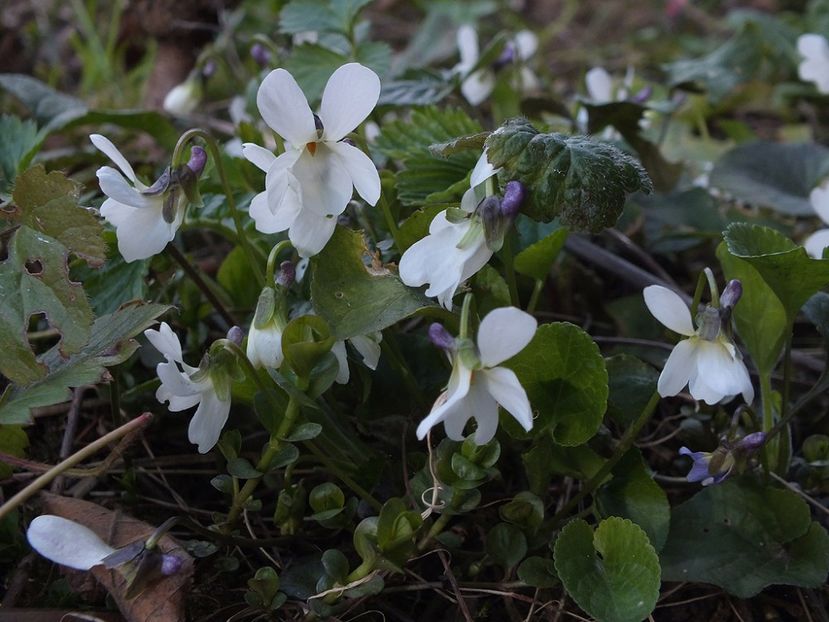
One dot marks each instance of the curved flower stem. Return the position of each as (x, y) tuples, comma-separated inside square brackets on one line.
[(270, 269), (194, 275), (538, 287), (594, 482), (188, 136), (131, 427)]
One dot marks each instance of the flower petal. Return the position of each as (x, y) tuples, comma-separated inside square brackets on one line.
[(141, 233), (104, 145), (284, 108), (485, 410), (208, 421), (343, 373), (310, 232), (459, 383), (467, 40), (66, 542), (176, 388), (349, 97), (115, 186), (483, 170), (526, 44), (260, 157), (599, 85), (667, 307), (325, 182), (369, 348), (504, 333), (165, 341), (720, 371), (815, 67), (363, 173), (503, 385), (477, 86), (819, 198), (816, 242), (678, 368), (264, 347)]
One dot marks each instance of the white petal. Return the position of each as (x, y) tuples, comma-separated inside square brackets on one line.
[(526, 44), (165, 341), (678, 368), (483, 170), (456, 418), (310, 232), (467, 40), (700, 390), (816, 242), (815, 66), (176, 388), (284, 108), (599, 85), (504, 333), (528, 81), (819, 198), (264, 348), (369, 348), (104, 145), (260, 157), (115, 186), (66, 542), (141, 233), (363, 173), (503, 385), (349, 97), (265, 220), (183, 98), (469, 201), (325, 182), (477, 86), (208, 421), (723, 372), (276, 209), (485, 410), (343, 373), (667, 307), (459, 383)]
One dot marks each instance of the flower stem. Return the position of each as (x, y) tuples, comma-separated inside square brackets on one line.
[(463, 331), (594, 482), (537, 289), (508, 258), (130, 427), (194, 275), (769, 457), (231, 202), (270, 269), (391, 223)]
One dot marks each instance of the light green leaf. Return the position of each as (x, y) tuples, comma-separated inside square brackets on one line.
[(633, 494), (423, 91), (743, 537), (242, 469), (535, 260), (110, 343), (312, 65), (115, 283), (416, 226), (355, 296), (19, 141), (583, 182), (234, 276), (13, 441), (770, 174), (44, 102), (319, 15), (566, 380), (612, 573)]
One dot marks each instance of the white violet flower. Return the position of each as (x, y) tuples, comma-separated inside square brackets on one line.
[(368, 346), (815, 243), (145, 218), (264, 348), (184, 98), (66, 542), (477, 85), (452, 251), (183, 387), (707, 361), (814, 67), (476, 390), (309, 185)]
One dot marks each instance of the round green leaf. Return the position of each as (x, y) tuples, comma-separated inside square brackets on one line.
[(506, 544), (538, 572)]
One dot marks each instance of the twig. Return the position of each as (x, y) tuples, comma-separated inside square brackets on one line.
[(796, 490), (447, 570), (69, 433), (197, 279)]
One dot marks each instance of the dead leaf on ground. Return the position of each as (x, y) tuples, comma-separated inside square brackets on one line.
[(164, 600)]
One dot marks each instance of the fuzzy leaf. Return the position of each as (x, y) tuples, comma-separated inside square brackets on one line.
[(583, 182)]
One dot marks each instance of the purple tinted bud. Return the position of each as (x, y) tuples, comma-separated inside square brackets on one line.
[(752, 442), (236, 335), (286, 275), (260, 54), (440, 337), (506, 57), (209, 69), (198, 158), (170, 564), (643, 95), (731, 294), (514, 194)]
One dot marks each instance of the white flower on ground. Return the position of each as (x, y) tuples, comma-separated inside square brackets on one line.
[(184, 98), (309, 185), (707, 361), (453, 251), (66, 542), (478, 85), (815, 64), (145, 218), (601, 89), (475, 392), (368, 346), (815, 243), (183, 387)]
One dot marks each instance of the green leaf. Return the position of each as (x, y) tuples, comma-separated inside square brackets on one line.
[(304, 432), (336, 565), (816, 311), (538, 572), (566, 380), (422, 91), (234, 276), (631, 384), (633, 494), (791, 274), (19, 141), (115, 283), (44, 102), (326, 497), (547, 459), (525, 510), (583, 182), (743, 537), (306, 341), (35, 279), (311, 65), (242, 469), (13, 441), (110, 343), (535, 260), (352, 294), (612, 573), (760, 317), (506, 544), (775, 175), (319, 15), (48, 204), (416, 226)]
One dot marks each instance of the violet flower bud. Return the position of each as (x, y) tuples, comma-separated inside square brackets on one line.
[(507, 57), (731, 294), (260, 54), (170, 564), (198, 158), (236, 335), (440, 337), (643, 95), (286, 275), (514, 194), (208, 69), (751, 442)]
